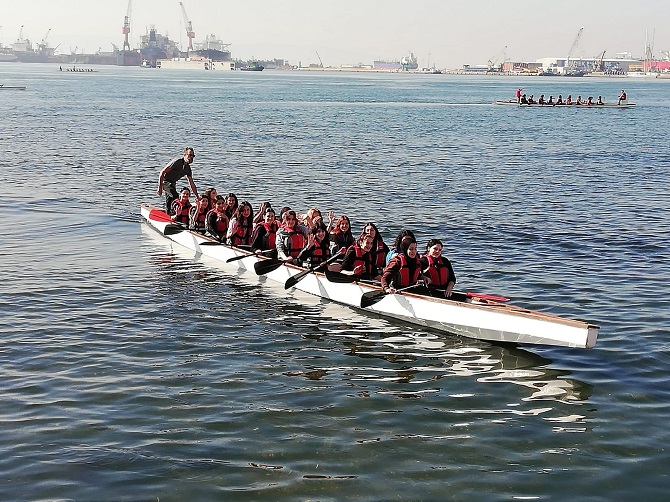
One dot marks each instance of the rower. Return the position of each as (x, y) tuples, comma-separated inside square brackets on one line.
[(317, 249), (340, 236), (264, 236), (379, 248), (291, 238), (181, 207), (358, 259), (216, 222), (623, 98), (241, 225), (404, 269), (198, 213), (438, 267)]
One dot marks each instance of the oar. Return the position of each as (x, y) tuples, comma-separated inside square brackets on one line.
[(242, 257), (371, 297), (267, 266), (173, 228), (340, 277), (295, 279)]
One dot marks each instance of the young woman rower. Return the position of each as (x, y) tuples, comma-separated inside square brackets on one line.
[(340, 236), (231, 204), (264, 236), (216, 222), (379, 249), (438, 268), (358, 259), (198, 213), (317, 249), (291, 238), (396, 244), (404, 269), (181, 207), (241, 225)]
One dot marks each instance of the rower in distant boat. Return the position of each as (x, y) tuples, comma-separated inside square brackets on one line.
[(438, 267), (579, 101), (173, 172), (540, 101), (600, 101), (589, 101), (559, 101), (182, 207), (524, 100), (623, 98), (568, 100), (531, 100), (551, 101)]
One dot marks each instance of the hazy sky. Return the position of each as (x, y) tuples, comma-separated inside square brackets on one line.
[(447, 33)]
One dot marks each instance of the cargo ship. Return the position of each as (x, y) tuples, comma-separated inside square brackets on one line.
[(406, 63)]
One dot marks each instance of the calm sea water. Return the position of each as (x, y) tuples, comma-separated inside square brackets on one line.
[(132, 370)]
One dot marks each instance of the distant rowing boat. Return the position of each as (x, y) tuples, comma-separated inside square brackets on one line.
[(472, 315), (513, 102), (13, 87)]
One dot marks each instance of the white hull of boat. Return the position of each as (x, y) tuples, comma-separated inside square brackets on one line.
[(479, 319), (512, 102)]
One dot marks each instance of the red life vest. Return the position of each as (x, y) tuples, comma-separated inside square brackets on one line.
[(359, 260), (438, 271), (405, 279), (270, 237), (294, 241), (221, 223), (380, 254), (242, 234), (319, 254), (181, 210), (198, 219)]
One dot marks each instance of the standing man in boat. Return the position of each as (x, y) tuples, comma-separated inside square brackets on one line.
[(518, 95), (173, 172), (622, 97)]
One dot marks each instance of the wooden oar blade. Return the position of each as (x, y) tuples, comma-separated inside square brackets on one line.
[(371, 297), (267, 266)]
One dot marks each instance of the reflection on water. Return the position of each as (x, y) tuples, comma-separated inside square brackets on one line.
[(421, 359)]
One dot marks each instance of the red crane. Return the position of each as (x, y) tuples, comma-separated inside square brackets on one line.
[(189, 28), (126, 27)]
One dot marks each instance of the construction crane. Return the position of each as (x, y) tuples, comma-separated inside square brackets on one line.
[(493, 62), (600, 66), (573, 49), (43, 43), (320, 62), (126, 28), (189, 28)]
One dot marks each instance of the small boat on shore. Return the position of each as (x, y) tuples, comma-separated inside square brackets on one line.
[(513, 102), (471, 315)]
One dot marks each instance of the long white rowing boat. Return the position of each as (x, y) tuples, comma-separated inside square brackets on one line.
[(513, 102), (474, 317)]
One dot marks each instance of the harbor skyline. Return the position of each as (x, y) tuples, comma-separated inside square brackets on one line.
[(447, 34)]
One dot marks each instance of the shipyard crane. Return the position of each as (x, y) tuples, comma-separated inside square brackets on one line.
[(600, 66), (189, 28), (320, 62), (573, 48), (493, 62), (43, 43), (126, 27)]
